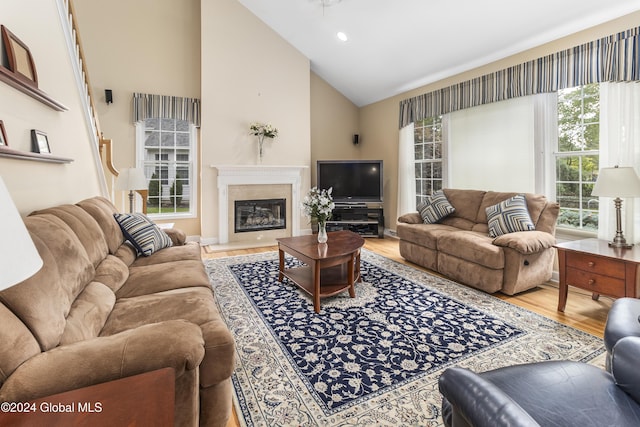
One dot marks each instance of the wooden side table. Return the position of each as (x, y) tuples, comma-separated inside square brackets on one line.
[(593, 265)]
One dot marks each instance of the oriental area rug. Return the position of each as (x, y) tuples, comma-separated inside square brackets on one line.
[(374, 359)]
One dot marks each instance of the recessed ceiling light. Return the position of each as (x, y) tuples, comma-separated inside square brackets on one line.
[(342, 36)]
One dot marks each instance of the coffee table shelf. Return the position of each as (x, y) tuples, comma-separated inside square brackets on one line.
[(333, 280)]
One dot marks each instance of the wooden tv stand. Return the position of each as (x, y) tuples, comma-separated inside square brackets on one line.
[(366, 219)]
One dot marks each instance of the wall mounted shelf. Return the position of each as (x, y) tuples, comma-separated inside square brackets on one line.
[(36, 157), (9, 78)]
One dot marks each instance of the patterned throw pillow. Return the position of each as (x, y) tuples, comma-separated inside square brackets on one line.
[(143, 234), (509, 216), (435, 208)]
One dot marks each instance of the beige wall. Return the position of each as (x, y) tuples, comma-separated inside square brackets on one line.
[(334, 121), (249, 74), (35, 185), (379, 121), (147, 46)]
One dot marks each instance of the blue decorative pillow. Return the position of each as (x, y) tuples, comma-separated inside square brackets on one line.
[(143, 234), (509, 216), (435, 208)]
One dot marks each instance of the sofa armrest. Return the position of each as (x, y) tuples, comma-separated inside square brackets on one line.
[(624, 366), (411, 218), (176, 344), (479, 402), (178, 237), (526, 242)]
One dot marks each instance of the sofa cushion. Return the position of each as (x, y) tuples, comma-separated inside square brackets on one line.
[(536, 205), (112, 272), (474, 247), (143, 233), (435, 207), (465, 202), (102, 210), (18, 343), (458, 223), (423, 234), (43, 301), (88, 313), (85, 227), (193, 304), (509, 216), (191, 251), (149, 279)]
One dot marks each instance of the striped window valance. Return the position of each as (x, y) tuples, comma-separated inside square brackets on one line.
[(611, 59), (163, 106)]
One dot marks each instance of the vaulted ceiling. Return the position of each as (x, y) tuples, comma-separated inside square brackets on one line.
[(394, 46)]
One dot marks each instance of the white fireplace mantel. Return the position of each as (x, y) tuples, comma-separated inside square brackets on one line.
[(256, 175)]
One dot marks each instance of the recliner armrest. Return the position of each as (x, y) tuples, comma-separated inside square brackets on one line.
[(624, 366), (174, 344), (177, 236), (411, 218), (526, 242), (479, 402)]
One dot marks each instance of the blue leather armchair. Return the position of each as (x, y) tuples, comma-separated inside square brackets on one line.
[(554, 393)]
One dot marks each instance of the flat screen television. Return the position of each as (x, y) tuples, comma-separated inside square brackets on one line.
[(353, 181)]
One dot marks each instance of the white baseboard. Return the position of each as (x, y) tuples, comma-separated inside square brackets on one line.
[(205, 241)]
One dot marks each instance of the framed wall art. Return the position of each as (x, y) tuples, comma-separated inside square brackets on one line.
[(3, 135), (19, 56), (39, 142)]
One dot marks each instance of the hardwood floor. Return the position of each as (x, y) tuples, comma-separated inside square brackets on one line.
[(581, 311)]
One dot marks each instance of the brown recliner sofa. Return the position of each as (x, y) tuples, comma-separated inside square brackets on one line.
[(459, 245), (97, 311)]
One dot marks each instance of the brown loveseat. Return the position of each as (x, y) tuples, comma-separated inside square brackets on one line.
[(97, 312), (459, 246)]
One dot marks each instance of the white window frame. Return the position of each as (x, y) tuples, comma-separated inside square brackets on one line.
[(193, 182), (444, 122), (564, 232)]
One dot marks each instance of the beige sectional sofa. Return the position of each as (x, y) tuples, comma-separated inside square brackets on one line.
[(97, 311), (459, 245)]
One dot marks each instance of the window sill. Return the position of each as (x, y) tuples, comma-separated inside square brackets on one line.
[(170, 217), (567, 234)]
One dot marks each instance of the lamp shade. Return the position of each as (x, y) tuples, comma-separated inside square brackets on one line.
[(617, 182), (19, 258), (131, 179)]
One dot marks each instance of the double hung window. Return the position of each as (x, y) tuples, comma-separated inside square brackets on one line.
[(577, 157), (428, 152), (166, 151)]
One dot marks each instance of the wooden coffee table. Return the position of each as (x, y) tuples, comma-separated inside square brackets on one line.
[(330, 268)]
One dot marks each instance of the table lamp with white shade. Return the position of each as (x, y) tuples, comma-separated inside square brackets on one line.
[(131, 179), (19, 258), (617, 182)]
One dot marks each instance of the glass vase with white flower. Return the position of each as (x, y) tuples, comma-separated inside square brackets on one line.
[(318, 206), (262, 131)]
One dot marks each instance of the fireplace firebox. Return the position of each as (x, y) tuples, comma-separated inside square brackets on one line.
[(260, 215)]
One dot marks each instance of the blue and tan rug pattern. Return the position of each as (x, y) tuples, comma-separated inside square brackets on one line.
[(374, 359)]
